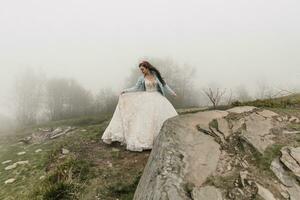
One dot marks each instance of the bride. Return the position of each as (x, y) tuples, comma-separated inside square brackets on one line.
[(141, 111)]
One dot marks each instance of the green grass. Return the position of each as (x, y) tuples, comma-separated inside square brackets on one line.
[(290, 101), (271, 152), (81, 174)]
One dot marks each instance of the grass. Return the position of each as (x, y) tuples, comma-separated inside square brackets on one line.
[(84, 173), (290, 101), (264, 161)]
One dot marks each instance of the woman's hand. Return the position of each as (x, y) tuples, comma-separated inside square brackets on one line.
[(174, 94)]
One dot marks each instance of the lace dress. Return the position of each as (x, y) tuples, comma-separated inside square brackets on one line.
[(138, 118)]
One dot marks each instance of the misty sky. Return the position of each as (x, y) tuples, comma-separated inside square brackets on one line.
[(231, 42)]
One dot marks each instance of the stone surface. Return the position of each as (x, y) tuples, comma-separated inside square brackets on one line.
[(265, 193), (188, 150), (241, 109), (289, 161), (6, 162), (295, 153), (294, 192), (38, 150), (267, 113), (258, 132), (21, 153), (294, 119), (59, 132), (176, 161), (65, 151), (205, 193), (23, 162), (223, 127), (9, 167), (12, 166), (281, 174), (202, 119), (11, 180)]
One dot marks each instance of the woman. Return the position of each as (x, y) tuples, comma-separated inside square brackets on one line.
[(141, 111)]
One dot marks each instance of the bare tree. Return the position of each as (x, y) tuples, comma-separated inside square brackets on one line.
[(215, 95)]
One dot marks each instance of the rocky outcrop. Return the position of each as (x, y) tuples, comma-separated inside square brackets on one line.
[(176, 162), (286, 168), (213, 155), (43, 134)]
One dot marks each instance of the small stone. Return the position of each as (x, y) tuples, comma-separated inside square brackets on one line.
[(279, 119), (245, 164), (57, 131), (11, 180), (229, 167), (9, 167), (6, 162), (22, 162), (285, 195), (109, 164), (38, 150), (115, 150), (243, 176), (289, 161), (65, 151), (294, 119), (21, 153)]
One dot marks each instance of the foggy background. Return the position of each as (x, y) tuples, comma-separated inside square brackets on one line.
[(238, 45)]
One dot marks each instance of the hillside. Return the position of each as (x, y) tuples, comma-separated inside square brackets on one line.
[(241, 153), (63, 162), (200, 154)]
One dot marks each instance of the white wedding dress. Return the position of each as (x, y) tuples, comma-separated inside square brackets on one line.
[(138, 118)]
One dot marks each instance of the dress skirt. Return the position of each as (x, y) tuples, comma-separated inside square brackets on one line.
[(137, 119)]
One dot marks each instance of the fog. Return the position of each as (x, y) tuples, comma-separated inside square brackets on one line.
[(230, 43)]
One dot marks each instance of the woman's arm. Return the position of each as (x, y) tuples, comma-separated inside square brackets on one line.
[(134, 88), (169, 90)]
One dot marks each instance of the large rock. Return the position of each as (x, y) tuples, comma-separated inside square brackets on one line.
[(264, 193), (202, 119), (181, 156), (295, 153), (289, 161), (258, 131), (282, 175), (223, 127)]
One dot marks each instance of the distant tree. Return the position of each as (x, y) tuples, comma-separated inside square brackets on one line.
[(215, 95), (66, 98), (28, 90), (264, 90), (106, 101), (242, 94)]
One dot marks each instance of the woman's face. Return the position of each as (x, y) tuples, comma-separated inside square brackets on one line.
[(144, 70)]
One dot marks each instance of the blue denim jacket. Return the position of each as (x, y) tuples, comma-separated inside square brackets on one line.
[(140, 86)]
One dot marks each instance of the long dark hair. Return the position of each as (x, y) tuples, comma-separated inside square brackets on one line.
[(147, 65)]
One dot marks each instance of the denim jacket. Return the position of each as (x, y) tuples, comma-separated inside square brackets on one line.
[(140, 86)]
